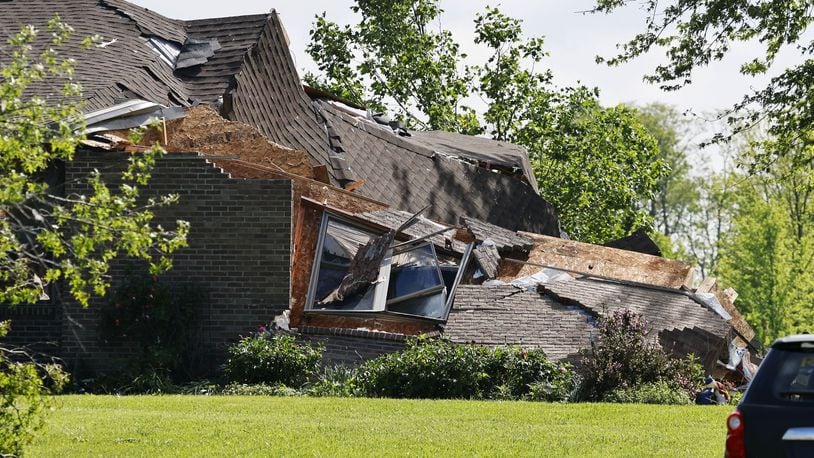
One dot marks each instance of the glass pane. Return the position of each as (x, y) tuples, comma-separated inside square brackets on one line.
[(432, 306), (339, 246), (413, 271)]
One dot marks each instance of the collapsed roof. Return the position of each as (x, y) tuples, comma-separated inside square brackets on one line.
[(243, 67)]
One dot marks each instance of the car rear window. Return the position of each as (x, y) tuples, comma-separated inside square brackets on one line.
[(795, 376)]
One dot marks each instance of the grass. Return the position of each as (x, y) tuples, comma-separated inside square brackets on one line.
[(262, 426)]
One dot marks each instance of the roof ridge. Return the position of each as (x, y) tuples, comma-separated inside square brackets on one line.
[(148, 21)]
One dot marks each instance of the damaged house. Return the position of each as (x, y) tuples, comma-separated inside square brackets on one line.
[(342, 225)]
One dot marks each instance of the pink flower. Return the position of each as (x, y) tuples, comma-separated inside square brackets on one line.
[(261, 329)]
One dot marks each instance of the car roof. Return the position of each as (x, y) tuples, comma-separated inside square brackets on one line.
[(795, 339)]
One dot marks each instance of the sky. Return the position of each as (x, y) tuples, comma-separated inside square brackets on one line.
[(573, 40)]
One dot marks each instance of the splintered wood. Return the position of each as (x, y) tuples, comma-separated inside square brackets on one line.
[(204, 131), (600, 261), (364, 268)]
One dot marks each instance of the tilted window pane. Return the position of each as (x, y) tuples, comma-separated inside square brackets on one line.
[(412, 272), (432, 306)]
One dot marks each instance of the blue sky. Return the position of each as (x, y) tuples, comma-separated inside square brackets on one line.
[(573, 40)]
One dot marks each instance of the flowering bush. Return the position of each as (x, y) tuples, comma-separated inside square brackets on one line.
[(624, 358)]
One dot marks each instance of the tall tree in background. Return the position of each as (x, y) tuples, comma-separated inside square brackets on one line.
[(694, 33), (768, 255), (594, 164)]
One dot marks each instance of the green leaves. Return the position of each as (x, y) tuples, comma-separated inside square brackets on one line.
[(694, 33), (595, 164), (45, 236)]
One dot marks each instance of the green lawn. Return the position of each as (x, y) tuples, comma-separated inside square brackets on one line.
[(236, 425)]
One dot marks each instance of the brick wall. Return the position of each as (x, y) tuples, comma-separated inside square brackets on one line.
[(351, 347), (238, 255), (37, 327)]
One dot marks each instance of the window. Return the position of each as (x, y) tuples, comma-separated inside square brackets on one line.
[(339, 244), (401, 278)]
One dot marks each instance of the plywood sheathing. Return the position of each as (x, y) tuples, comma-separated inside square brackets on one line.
[(727, 301), (599, 261), (203, 130)]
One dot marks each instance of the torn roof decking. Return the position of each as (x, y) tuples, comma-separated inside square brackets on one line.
[(409, 177), (253, 61)]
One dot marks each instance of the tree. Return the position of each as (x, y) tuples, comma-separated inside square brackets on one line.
[(769, 253), (394, 57), (675, 192), (46, 237), (694, 33), (595, 164)]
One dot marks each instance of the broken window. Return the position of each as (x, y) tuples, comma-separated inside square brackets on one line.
[(339, 245), (358, 270)]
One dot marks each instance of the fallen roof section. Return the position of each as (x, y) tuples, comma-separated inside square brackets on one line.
[(491, 152), (663, 309), (599, 261), (409, 177)]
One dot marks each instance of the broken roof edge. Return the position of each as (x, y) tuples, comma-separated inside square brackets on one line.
[(680, 276), (302, 178), (599, 278)]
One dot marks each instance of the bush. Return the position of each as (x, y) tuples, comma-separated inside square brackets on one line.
[(648, 393), (272, 359), (25, 396), (623, 358), (434, 368), (335, 381), (160, 321)]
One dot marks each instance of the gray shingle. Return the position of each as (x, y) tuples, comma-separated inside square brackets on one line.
[(664, 310), (505, 315)]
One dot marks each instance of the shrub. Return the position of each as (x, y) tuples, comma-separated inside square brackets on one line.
[(160, 321), (335, 381), (272, 359), (25, 395), (623, 358), (434, 368), (648, 393)]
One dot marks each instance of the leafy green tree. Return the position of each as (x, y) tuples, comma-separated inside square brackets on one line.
[(47, 237), (394, 57), (595, 164), (769, 253), (676, 192), (694, 33)]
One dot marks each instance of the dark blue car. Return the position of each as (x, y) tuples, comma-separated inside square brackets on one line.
[(776, 415)]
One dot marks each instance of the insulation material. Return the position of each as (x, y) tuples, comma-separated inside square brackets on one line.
[(206, 132), (541, 277), (711, 301)]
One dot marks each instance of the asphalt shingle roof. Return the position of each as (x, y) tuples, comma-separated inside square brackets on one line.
[(253, 74), (504, 239), (506, 315), (663, 309), (409, 177)]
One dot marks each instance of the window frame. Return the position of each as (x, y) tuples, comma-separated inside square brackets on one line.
[(380, 301)]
